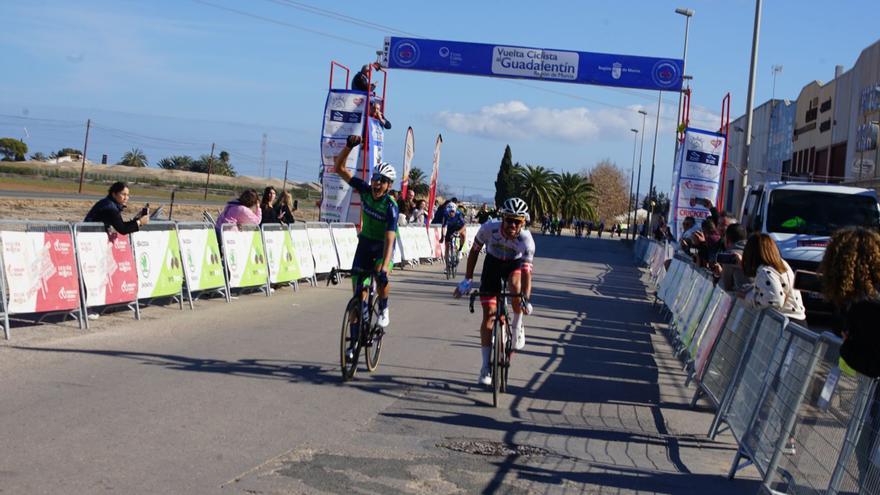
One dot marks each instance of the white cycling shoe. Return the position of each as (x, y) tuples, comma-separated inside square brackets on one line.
[(485, 376), (519, 332), (384, 318)]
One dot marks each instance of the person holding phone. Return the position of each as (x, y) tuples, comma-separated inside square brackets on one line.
[(728, 266), (284, 208), (109, 211)]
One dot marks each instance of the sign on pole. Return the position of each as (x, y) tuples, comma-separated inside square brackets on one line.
[(343, 117), (518, 62)]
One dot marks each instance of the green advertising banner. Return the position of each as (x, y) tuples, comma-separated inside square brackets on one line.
[(159, 269)]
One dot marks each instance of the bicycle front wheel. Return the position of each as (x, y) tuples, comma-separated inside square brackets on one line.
[(508, 352), (373, 341), (349, 367), (497, 357)]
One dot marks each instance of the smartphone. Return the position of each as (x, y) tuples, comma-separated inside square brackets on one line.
[(144, 211), (727, 259), (295, 204), (807, 281)]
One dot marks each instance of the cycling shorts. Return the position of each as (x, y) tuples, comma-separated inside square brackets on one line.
[(494, 270), (368, 258)]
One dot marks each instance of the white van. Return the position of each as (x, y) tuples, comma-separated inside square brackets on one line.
[(801, 216)]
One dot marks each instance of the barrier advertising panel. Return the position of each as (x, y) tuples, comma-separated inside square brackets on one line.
[(408, 242), (159, 270), (283, 263), (346, 241), (426, 249), (107, 267), (322, 247), (40, 270), (436, 240), (245, 260), (201, 253), (302, 249)]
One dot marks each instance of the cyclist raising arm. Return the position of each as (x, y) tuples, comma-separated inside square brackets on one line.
[(453, 226), (378, 226), (510, 250)]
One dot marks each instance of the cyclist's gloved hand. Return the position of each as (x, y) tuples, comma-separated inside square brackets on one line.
[(353, 140), (527, 307), (463, 287), (382, 278)]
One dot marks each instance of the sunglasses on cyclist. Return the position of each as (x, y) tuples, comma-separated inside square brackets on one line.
[(380, 179), (516, 222)]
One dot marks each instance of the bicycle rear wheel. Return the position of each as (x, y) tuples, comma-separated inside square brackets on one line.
[(373, 341), (497, 357), (349, 368)]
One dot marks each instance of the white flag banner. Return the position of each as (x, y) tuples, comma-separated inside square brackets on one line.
[(698, 176), (343, 117)]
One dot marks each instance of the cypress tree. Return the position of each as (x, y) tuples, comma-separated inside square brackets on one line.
[(505, 183)]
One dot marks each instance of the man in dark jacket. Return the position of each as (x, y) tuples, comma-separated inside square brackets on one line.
[(109, 211), (361, 80)]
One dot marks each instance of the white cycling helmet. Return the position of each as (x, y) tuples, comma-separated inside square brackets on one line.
[(451, 207), (515, 207), (386, 171)]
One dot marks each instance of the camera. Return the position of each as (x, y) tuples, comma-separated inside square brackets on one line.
[(807, 281)]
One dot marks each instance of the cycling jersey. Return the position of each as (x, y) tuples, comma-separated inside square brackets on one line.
[(377, 215), (453, 226), (521, 247)]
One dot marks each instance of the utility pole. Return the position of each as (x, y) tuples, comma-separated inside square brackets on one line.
[(641, 152), (687, 13), (750, 98), (210, 166), (654, 160), (630, 201), (82, 170), (263, 156), (284, 187)]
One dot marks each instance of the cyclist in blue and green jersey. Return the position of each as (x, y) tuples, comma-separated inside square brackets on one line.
[(454, 226), (378, 225)]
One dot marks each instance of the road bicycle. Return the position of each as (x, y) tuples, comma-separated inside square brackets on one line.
[(364, 314), (502, 339), (452, 257)]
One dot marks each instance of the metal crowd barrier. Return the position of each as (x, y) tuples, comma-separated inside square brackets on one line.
[(203, 271), (807, 424)]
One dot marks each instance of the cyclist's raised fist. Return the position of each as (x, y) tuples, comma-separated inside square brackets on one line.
[(353, 141)]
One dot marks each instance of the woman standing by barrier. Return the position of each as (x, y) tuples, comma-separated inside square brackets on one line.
[(851, 281), (774, 279), (241, 211), (285, 207), (268, 214), (109, 211)]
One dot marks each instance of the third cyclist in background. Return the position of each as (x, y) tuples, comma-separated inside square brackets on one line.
[(510, 250), (454, 226)]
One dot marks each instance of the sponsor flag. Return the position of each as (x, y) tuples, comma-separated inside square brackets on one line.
[(435, 173), (697, 176), (409, 149)]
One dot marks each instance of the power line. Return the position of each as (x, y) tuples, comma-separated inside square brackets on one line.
[(339, 16)]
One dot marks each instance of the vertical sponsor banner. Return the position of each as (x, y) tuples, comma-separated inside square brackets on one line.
[(245, 259), (374, 157), (302, 249), (283, 263), (435, 173), (107, 267), (201, 253), (40, 270), (343, 116), (409, 150), (699, 173), (159, 269)]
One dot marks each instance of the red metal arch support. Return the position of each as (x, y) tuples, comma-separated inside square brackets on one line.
[(725, 130)]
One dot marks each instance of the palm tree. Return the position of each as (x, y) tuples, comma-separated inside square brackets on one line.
[(575, 196), (537, 187), (176, 162), (134, 158), (417, 182)]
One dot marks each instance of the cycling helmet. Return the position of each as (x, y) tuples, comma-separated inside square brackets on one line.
[(385, 170), (515, 207), (451, 207)]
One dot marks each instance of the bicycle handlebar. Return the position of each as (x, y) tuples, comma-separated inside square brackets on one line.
[(476, 293)]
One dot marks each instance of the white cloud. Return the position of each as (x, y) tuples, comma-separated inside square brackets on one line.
[(515, 120)]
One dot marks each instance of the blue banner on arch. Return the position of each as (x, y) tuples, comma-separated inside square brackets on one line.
[(510, 61)]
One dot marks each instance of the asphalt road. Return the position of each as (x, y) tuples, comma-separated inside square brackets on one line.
[(246, 397)]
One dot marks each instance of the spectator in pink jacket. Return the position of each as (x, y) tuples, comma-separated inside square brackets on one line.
[(242, 211)]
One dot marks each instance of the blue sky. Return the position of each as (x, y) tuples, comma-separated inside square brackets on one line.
[(173, 76)]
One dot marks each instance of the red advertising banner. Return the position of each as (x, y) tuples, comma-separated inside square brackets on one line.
[(123, 284), (41, 271), (435, 174), (108, 269), (436, 241)]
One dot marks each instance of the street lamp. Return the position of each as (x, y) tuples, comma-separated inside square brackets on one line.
[(654, 158), (639, 180), (750, 97), (687, 13), (630, 200)]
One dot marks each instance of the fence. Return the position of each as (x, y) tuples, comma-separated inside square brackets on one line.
[(49, 268), (40, 273), (807, 423)]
